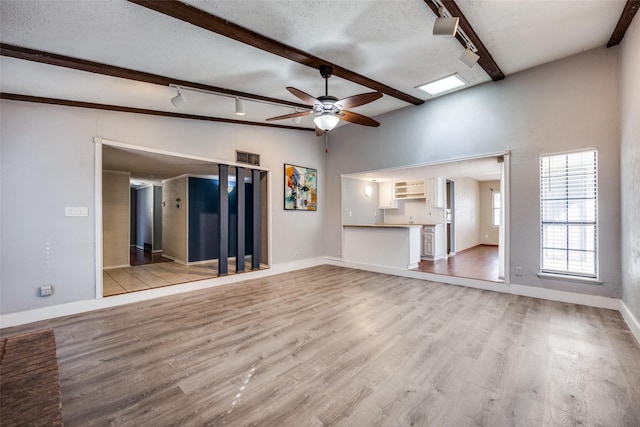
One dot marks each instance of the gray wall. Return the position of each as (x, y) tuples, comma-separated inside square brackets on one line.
[(132, 216), (144, 216), (47, 163), (565, 105), (630, 166)]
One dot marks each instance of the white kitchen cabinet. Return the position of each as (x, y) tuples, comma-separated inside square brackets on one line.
[(434, 189), (433, 242), (413, 189), (385, 196)]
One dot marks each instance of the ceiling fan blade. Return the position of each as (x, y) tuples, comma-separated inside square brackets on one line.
[(292, 115), (357, 100), (319, 132), (357, 119), (303, 96)]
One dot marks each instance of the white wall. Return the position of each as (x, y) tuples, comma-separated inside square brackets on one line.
[(416, 209), (466, 213), (47, 159), (358, 208), (565, 105), (488, 233), (630, 166)]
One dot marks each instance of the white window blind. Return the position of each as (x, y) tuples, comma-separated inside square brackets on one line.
[(568, 213)]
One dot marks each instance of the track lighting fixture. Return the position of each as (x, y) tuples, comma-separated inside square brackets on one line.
[(179, 99), (240, 107), (445, 25), (469, 57)]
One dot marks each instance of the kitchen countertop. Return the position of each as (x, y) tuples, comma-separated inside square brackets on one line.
[(388, 225), (418, 223)]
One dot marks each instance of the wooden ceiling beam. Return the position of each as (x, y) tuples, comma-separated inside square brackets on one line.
[(125, 73), (215, 24), (486, 61), (626, 17), (118, 108)]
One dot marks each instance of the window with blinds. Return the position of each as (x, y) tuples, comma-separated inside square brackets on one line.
[(568, 213)]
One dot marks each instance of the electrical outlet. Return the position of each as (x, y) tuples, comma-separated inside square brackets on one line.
[(46, 290), (518, 271)]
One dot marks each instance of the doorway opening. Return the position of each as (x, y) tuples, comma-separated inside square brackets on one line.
[(168, 218), (464, 233)]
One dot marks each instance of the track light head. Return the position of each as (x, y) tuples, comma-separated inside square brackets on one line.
[(240, 111), (446, 26), (469, 57), (179, 99)]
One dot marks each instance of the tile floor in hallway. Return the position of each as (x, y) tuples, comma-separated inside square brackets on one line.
[(118, 281)]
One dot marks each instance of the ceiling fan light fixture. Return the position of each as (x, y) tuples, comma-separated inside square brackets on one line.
[(446, 26), (240, 110), (326, 121), (469, 57), (179, 99)]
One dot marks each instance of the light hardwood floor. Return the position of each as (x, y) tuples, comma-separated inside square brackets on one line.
[(335, 346), (480, 263)]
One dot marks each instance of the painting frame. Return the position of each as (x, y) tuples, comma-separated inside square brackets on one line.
[(300, 188)]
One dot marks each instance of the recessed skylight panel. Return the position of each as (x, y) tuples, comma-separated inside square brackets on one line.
[(443, 85)]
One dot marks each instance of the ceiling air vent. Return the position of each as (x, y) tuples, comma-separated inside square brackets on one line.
[(248, 158)]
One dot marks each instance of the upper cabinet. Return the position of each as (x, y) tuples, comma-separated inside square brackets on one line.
[(409, 189), (435, 192), (385, 196)]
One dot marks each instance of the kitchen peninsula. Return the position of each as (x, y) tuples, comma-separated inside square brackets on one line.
[(383, 245)]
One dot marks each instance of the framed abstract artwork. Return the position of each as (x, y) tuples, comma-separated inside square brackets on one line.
[(300, 188)]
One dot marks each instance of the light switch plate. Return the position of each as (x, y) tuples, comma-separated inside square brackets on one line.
[(76, 211)]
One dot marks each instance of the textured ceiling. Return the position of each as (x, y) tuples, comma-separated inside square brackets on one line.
[(388, 41)]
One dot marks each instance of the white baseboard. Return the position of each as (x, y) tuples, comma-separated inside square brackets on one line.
[(631, 320), (113, 267), (569, 297), (15, 319), (174, 259), (522, 290), (45, 313)]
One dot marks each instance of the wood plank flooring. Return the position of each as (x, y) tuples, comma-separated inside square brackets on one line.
[(139, 256), (478, 263), (336, 346), (29, 384)]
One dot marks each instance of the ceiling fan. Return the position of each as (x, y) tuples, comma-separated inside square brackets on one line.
[(329, 109)]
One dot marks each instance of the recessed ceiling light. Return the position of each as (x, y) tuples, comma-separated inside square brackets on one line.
[(442, 85)]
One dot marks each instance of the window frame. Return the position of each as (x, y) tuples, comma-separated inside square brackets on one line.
[(580, 179), (493, 208)]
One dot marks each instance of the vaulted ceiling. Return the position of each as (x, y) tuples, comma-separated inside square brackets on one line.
[(119, 54)]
